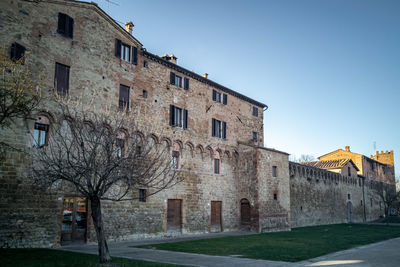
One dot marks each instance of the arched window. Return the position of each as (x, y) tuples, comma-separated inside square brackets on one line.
[(217, 162), (120, 144), (41, 132), (175, 162)]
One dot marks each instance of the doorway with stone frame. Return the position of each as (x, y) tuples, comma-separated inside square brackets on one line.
[(74, 220)]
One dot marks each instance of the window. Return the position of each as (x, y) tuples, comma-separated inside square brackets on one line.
[(361, 202), (145, 64), (275, 196), (216, 166), (274, 171), (123, 102), (65, 25), (349, 171), (142, 195), (175, 160), (126, 52), (219, 97), (371, 201), (61, 79), (178, 81), (218, 128), (119, 147), (255, 136), (40, 135), (138, 150), (348, 196), (178, 117), (144, 94), (17, 51), (255, 111)]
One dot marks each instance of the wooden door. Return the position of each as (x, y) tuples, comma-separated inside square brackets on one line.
[(216, 222), (174, 215), (74, 219), (245, 216)]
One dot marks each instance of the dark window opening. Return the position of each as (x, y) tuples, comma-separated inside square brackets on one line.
[(255, 111), (61, 79), (348, 196), (119, 147), (218, 129), (65, 25), (138, 150), (142, 195), (145, 64), (255, 136), (123, 102), (178, 117), (348, 171), (17, 51), (274, 171), (144, 94), (40, 135), (175, 160), (216, 166), (275, 196)]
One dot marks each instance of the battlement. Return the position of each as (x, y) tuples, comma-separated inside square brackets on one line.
[(386, 157)]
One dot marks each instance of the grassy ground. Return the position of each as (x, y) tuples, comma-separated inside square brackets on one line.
[(49, 257), (299, 244)]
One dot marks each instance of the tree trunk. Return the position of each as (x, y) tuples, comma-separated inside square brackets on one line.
[(104, 254)]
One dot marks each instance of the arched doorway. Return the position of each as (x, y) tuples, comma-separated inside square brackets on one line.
[(349, 212), (245, 217)]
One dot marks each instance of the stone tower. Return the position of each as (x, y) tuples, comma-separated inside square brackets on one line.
[(384, 157)]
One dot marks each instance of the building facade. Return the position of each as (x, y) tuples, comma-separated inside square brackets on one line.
[(231, 181)]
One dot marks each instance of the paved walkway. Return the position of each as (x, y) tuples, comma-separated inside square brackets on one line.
[(385, 254)]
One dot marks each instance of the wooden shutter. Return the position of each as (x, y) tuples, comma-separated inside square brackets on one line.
[(61, 79), (118, 48), (172, 78), (123, 97), (69, 27), (62, 22), (171, 115), (213, 127), (224, 130), (225, 99), (214, 95), (134, 55), (185, 119), (186, 85)]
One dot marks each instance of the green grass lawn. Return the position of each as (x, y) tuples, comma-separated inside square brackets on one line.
[(299, 244), (49, 257)]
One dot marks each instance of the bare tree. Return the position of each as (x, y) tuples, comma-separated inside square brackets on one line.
[(388, 195), (102, 157), (302, 158), (19, 95)]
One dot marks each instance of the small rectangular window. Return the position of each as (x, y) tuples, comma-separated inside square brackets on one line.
[(275, 196), (144, 94), (61, 79), (17, 51), (348, 196), (175, 160), (255, 111), (274, 171), (255, 136), (123, 102), (216, 166), (40, 135), (178, 117), (218, 128), (145, 64), (65, 25), (142, 195), (178, 81), (119, 147), (126, 52), (349, 171)]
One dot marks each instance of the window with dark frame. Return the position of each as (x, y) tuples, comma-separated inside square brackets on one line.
[(61, 79), (144, 94), (178, 117), (119, 147), (17, 51), (255, 136), (274, 171), (65, 25), (216, 166), (178, 81), (175, 160), (349, 171), (123, 102), (220, 97), (255, 111), (142, 195), (40, 135), (218, 128), (348, 196), (126, 52)]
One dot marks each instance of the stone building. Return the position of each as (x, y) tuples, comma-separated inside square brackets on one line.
[(231, 181)]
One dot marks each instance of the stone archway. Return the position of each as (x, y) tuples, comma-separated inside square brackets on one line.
[(245, 214)]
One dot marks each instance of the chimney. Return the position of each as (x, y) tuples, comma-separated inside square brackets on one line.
[(165, 57), (173, 58), (347, 148), (205, 75), (129, 26)]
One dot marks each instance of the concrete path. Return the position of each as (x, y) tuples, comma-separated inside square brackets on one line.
[(386, 253)]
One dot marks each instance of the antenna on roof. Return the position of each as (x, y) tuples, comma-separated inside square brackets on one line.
[(374, 146), (111, 2)]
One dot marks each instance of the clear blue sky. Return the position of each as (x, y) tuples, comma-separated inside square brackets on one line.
[(328, 70)]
